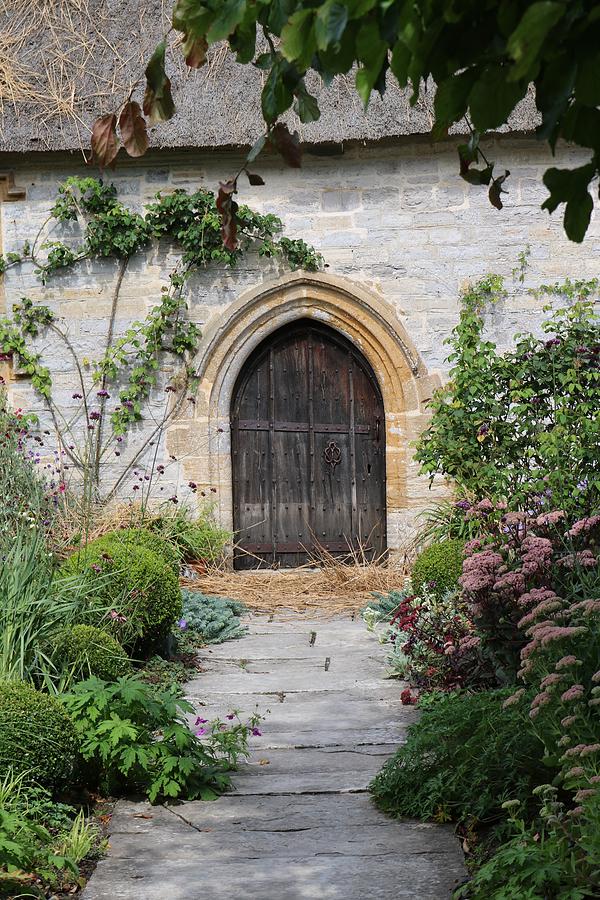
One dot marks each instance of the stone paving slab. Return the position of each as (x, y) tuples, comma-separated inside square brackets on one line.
[(427, 875), (368, 758), (299, 824)]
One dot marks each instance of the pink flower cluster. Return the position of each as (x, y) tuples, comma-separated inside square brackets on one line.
[(583, 526), (480, 571)]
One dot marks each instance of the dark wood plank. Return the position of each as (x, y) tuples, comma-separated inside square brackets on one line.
[(308, 450)]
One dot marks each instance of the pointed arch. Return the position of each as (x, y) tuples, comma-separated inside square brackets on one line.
[(364, 318)]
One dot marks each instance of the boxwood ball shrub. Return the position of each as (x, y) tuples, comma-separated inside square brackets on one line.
[(439, 567), (89, 651), (37, 737), (141, 586), (141, 537)]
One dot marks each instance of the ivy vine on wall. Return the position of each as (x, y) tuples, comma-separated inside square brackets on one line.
[(111, 398)]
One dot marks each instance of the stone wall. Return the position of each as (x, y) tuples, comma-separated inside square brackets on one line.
[(400, 233)]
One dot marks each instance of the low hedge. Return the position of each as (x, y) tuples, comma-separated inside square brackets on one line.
[(89, 651), (37, 737), (438, 567)]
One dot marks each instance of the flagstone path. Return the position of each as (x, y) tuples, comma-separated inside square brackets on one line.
[(299, 824)]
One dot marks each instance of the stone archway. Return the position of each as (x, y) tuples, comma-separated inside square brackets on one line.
[(361, 316)]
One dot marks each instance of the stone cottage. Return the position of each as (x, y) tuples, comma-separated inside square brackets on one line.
[(311, 386)]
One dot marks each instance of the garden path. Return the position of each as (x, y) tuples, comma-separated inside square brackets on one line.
[(299, 825)]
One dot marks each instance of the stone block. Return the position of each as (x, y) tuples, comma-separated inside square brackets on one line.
[(340, 200)]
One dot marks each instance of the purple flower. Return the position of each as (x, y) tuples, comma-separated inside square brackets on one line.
[(231, 716), (95, 416), (256, 732), (77, 396), (182, 624), (103, 394), (200, 721), (200, 732)]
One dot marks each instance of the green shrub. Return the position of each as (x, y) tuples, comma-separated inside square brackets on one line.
[(141, 537), (439, 567), (37, 737), (463, 758), (215, 618), (85, 650), (141, 587)]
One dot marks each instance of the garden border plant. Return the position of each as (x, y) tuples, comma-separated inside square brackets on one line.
[(505, 424)]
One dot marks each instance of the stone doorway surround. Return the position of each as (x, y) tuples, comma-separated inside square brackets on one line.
[(203, 442)]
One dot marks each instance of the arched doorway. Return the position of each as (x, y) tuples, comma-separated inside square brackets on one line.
[(308, 449)]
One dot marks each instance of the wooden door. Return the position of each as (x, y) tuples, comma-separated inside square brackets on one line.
[(308, 446)]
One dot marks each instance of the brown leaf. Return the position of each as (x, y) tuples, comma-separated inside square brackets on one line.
[(133, 129), (104, 141), (194, 49), (287, 144), (142, 816), (255, 180), (227, 208), (496, 189)]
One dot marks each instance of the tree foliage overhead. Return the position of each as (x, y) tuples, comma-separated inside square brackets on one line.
[(481, 54)]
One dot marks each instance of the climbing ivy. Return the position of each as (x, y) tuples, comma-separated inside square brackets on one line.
[(131, 360)]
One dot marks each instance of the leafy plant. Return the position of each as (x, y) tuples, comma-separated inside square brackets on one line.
[(433, 642), (198, 538), (448, 520), (438, 567), (37, 738), (135, 739), (521, 426), (462, 760), (216, 619), (544, 858)]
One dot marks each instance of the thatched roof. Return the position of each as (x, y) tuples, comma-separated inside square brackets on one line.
[(63, 62)]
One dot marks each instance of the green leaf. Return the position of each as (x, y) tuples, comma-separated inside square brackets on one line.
[(570, 186), (276, 96), (330, 23), (257, 148), (587, 83), (400, 62), (191, 17), (306, 106), (451, 97), (298, 40), (230, 14), (158, 101), (493, 97), (279, 13), (581, 125), (371, 50), (526, 41)]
